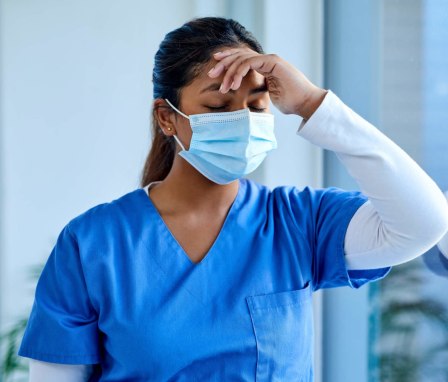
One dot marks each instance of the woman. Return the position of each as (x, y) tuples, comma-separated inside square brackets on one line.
[(202, 274)]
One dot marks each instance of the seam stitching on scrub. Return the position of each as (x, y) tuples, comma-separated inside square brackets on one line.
[(75, 241), (250, 305), (27, 350), (280, 306), (340, 254), (304, 238)]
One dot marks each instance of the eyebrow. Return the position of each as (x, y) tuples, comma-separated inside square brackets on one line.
[(215, 87)]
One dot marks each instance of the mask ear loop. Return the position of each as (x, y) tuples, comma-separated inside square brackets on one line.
[(180, 143), (182, 114), (175, 108)]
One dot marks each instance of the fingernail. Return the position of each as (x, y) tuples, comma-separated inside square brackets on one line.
[(211, 70), (215, 54), (221, 88), (231, 86)]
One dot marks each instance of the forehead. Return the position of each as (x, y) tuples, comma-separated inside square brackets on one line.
[(251, 80)]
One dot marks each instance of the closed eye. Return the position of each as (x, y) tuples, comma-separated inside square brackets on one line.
[(257, 109), (221, 108), (216, 107)]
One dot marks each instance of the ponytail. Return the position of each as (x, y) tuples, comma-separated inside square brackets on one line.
[(161, 156)]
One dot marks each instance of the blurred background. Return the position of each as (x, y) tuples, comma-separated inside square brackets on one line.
[(75, 103)]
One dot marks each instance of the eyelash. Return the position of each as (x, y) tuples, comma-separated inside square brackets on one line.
[(255, 109)]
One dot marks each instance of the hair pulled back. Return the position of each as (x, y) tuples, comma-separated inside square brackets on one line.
[(179, 59)]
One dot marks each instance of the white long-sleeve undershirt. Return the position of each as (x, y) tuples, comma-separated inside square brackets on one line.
[(443, 244), (40, 371), (406, 213), (405, 216)]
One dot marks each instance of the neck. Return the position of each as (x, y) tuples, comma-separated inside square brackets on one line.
[(186, 189)]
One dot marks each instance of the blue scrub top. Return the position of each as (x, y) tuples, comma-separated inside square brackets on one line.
[(119, 291)]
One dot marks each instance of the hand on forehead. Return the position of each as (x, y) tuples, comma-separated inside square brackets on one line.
[(204, 93), (206, 79)]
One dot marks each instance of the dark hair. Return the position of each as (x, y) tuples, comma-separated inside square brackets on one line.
[(181, 55)]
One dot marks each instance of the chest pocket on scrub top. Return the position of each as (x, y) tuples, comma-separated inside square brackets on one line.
[(283, 327)]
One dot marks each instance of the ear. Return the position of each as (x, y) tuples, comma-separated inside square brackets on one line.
[(165, 116)]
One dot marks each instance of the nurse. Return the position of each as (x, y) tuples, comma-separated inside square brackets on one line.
[(202, 274)]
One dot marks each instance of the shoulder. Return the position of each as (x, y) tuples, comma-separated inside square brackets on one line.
[(315, 197), (308, 195), (256, 189), (105, 216), (306, 205)]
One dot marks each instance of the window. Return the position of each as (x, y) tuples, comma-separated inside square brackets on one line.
[(388, 60)]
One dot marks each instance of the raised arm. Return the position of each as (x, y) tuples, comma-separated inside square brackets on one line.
[(406, 213)]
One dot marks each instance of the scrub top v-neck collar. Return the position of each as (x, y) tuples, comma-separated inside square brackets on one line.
[(173, 260)]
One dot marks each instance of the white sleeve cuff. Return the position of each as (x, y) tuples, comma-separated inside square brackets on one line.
[(55, 372), (319, 116)]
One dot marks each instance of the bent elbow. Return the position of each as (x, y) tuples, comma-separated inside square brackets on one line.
[(434, 230), (443, 242), (425, 233), (443, 225)]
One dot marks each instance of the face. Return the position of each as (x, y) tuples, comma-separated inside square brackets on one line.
[(202, 95)]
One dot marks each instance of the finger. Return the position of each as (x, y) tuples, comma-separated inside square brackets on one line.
[(226, 57), (224, 64), (263, 64), (242, 70), (241, 66), (239, 75), (220, 55), (227, 52)]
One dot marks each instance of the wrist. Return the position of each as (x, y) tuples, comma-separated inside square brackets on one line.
[(311, 103)]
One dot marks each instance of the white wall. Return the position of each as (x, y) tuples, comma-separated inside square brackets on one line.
[(353, 56), (76, 92), (294, 30)]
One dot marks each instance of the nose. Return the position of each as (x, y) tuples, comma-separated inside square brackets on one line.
[(239, 103)]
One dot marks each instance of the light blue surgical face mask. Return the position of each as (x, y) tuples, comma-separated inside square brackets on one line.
[(227, 146)]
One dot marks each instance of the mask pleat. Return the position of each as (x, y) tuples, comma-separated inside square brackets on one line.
[(227, 146)]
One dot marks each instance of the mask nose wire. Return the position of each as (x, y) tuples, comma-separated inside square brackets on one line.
[(182, 114)]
